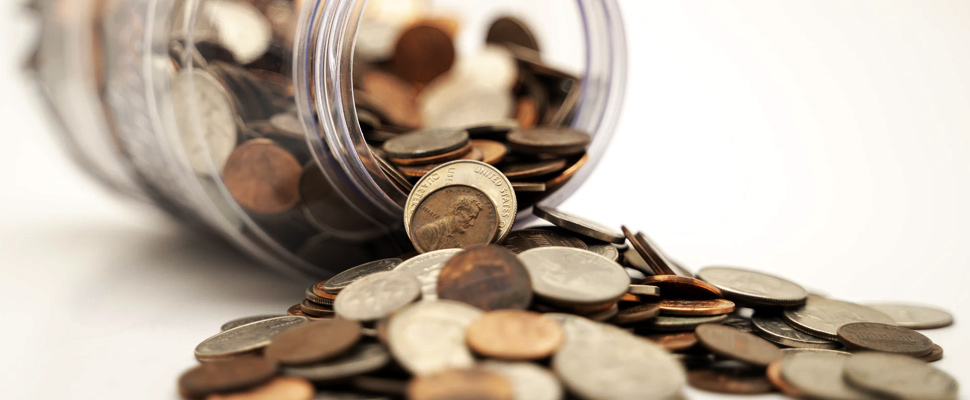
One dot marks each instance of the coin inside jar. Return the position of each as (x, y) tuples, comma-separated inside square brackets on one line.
[(454, 217), (423, 53), (515, 335), (263, 177), (556, 141), (425, 143)]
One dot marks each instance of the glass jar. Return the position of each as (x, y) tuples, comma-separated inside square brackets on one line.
[(131, 84)]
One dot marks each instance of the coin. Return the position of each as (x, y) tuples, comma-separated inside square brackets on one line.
[(899, 377), (579, 225), (377, 296), (280, 388), (452, 104), (263, 177), (425, 143), (606, 250), (665, 323), (423, 52), (884, 338), (451, 217), (511, 30), (754, 288), (773, 373), (399, 180), (915, 316), (361, 359), (935, 355), (820, 375), (208, 137), (679, 341), (605, 314), (245, 338), (426, 267), (454, 384), (822, 317), (526, 170), (235, 374), (526, 239), (554, 141), (429, 336), (295, 310), (313, 341), (342, 280), (240, 28), (487, 277), (565, 275), (529, 381), (636, 314), (799, 350), (528, 187), (492, 152), (495, 130), (515, 335), (464, 152), (652, 257), (245, 320), (674, 286), (643, 290), (733, 344), (696, 307), (732, 379), (739, 322), (311, 294), (775, 329), (316, 310), (399, 97)]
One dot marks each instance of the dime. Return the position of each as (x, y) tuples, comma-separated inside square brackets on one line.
[(754, 288), (644, 290), (679, 341), (775, 329), (555, 141), (316, 310), (425, 143), (487, 277), (377, 295), (529, 381), (280, 388), (935, 355), (526, 170), (664, 323), (460, 384), (423, 52), (565, 275), (683, 287), (234, 374), (245, 338), (515, 335), (733, 344), (605, 249), (492, 152), (361, 359), (455, 216), (429, 336), (208, 137), (342, 280), (313, 341), (245, 320), (696, 307), (822, 317), (579, 225), (636, 314), (819, 375), (732, 379), (884, 338), (426, 267), (652, 257), (527, 239), (263, 177), (915, 316), (511, 30), (899, 377)]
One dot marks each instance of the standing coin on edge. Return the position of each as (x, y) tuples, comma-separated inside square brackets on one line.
[(673, 286), (429, 336), (823, 317), (377, 296), (754, 288), (900, 377), (733, 344), (579, 225), (245, 338), (515, 335), (563, 275), (454, 217), (487, 277), (914, 316)]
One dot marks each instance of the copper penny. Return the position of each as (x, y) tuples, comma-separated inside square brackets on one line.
[(515, 335), (312, 309), (733, 379), (492, 152), (238, 373), (423, 53), (635, 314), (935, 355), (399, 97), (696, 307), (453, 217), (673, 286), (630, 298), (461, 384), (526, 170), (262, 177), (565, 176), (555, 141), (657, 262), (281, 388), (773, 373), (527, 112), (313, 341), (463, 152), (884, 338), (487, 277), (674, 341), (295, 310), (527, 239), (320, 290), (730, 343)]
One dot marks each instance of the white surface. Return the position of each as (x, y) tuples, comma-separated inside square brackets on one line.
[(825, 141)]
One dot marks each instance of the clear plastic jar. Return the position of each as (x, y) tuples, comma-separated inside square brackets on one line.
[(118, 76)]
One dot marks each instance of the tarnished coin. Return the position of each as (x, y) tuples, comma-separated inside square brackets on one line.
[(679, 341), (361, 359), (342, 280), (643, 290), (280, 388), (529, 381), (822, 317), (423, 52), (532, 169), (579, 225), (730, 378), (775, 329), (563, 275), (665, 323), (377, 295), (245, 320), (477, 383), (245, 338), (515, 335), (425, 143), (636, 314), (673, 286), (555, 141), (453, 217), (313, 341), (426, 267), (915, 316), (754, 288), (487, 277), (492, 152), (899, 377), (606, 250), (733, 344), (263, 177), (696, 307), (650, 255), (316, 309), (819, 375), (234, 374), (935, 355), (429, 336), (884, 338), (526, 239), (511, 30)]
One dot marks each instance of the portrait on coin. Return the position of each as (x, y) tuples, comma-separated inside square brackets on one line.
[(446, 232)]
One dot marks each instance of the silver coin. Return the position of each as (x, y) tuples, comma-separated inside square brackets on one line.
[(579, 225), (529, 381), (606, 250), (361, 359), (579, 329), (819, 375), (739, 322), (240, 28), (424, 143), (340, 281), (667, 323), (244, 338), (645, 290), (823, 317), (797, 350), (206, 119), (899, 377), (476, 174), (776, 330), (571, 276), (751, 287), (426, 267), (377, 296), (915, 316), (429, 336), (246, 320)]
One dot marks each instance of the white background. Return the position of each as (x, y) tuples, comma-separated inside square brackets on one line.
[(825, 141)]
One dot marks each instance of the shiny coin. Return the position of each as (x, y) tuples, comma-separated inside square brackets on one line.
[(606, 250), (425, 143), (454, 384), (429, 336), (453, 217), (426, 268), (423, 52), (732, 379), (511, 30), (733, 344), (754, 288), (555, 141), (820, 375), (822, 317), (636, 314), (361, 359), (263, 177), (679, 341), (673, 286), (245, 320), (515, 335), (664, 323), (644, 290), (226, 376), (579, 225), (915, 316), (313, 341), (529, 381), (526, 170), (527, 239), (884, 338), (487, 277), (245, 338), (342, 280), (696, 307), (280, 388), (377, 295), (654, 259), (208, 137), (775, 329), (935, 355), (899, 377), (316, 309), (492, 152), (565, 275)]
